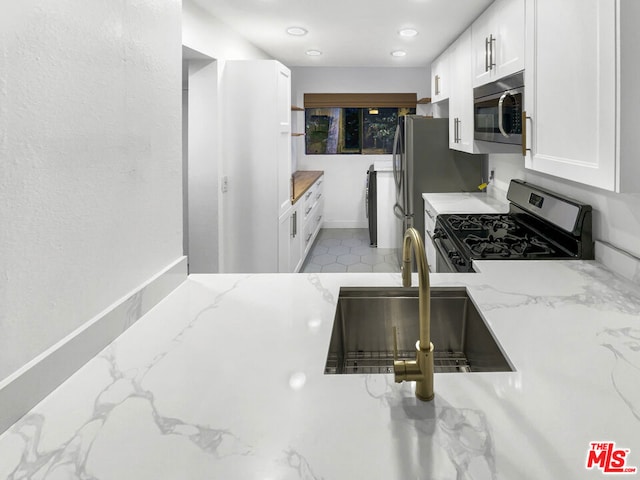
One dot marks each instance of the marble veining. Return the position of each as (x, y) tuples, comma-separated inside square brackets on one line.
[(72, 456), (597, 289), (624, 343), (463, 434), (224, 379)]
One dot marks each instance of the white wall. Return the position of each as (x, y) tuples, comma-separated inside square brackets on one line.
[(345, 175), (90, 161), (205, 36), (616, 217)]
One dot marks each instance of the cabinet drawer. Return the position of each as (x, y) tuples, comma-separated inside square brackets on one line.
[(312, 197), (312, 224)]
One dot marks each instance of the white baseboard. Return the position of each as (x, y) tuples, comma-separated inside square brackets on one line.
[(23, 389), (344, 224)]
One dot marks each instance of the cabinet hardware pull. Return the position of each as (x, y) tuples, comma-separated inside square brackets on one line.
[(486, 54), (294, 224), (492, 42), (318, 196), (524, 134), (308, 238), (306, 212), (319, 218), (309, 193), (437, 84)]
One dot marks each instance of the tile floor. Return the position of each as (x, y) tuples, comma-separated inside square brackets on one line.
[(348, 250)]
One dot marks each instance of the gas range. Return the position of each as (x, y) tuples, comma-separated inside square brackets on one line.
[(540, 225)]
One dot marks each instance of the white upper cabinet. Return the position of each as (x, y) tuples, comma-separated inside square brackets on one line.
[(461, 100), (498, 41), (581, 91), (440, 78)]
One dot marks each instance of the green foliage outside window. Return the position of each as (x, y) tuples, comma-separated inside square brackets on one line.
[(336, 131)]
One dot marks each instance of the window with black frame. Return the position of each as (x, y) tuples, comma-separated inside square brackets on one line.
[(343, 131), (341, 124)]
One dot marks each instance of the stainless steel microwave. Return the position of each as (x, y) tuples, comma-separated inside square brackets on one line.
[(497, 110)]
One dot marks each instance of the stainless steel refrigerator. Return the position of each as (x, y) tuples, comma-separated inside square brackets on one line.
[(423, 163)]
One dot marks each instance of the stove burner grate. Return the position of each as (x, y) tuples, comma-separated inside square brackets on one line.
[(491, 223), (507, 246)]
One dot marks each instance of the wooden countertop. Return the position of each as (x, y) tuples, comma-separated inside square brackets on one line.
[(302, 180)]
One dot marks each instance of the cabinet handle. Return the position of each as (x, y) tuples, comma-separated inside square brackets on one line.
[(492, 42), (524, 134), (486, 54), (437, 79), (319, 183), (319, 218), (294, 224), (429, 214), (308, 238), (318, 196), (309, 193), (306, 212)]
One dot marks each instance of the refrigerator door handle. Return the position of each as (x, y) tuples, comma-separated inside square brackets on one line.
[(366, 199), (396, 140)]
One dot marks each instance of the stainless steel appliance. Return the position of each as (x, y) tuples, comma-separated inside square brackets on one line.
[(540, 225), (423, 163), (498, 110), (370, 202)]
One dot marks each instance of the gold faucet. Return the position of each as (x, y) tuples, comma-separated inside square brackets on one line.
[(419, 370)]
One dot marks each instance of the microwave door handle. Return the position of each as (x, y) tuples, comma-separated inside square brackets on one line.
[(500, 115)]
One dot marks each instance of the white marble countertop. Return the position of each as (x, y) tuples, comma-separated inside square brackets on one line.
[(224, 379), (465, 202)]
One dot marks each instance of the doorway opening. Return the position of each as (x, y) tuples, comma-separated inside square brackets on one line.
[(200, 160)]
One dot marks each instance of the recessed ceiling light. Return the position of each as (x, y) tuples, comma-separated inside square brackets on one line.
[(408, 32), (313, 53), (398, 53), (297, 31)]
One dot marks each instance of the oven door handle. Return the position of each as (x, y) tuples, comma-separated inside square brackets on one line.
[(501, 115)]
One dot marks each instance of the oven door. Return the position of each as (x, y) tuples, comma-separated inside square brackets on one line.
[(448, 259), (498, 117)]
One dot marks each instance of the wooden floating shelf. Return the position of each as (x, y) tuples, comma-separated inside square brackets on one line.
[(424, 100), (297, 134), (296, 109)]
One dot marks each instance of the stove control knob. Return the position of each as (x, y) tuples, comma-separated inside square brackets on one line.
[(438, 233)]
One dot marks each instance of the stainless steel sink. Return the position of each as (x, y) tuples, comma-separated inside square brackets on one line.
[(362, 338)]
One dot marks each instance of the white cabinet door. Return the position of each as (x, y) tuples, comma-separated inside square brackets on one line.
[(461, 100), (570, 78), (498, 41), (283, 148), (289, 240), (440, 78)]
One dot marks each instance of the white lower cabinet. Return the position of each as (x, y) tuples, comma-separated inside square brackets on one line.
[(290, 240), (299, 227)]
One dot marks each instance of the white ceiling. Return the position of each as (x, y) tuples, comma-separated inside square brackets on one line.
[(354, 33)]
